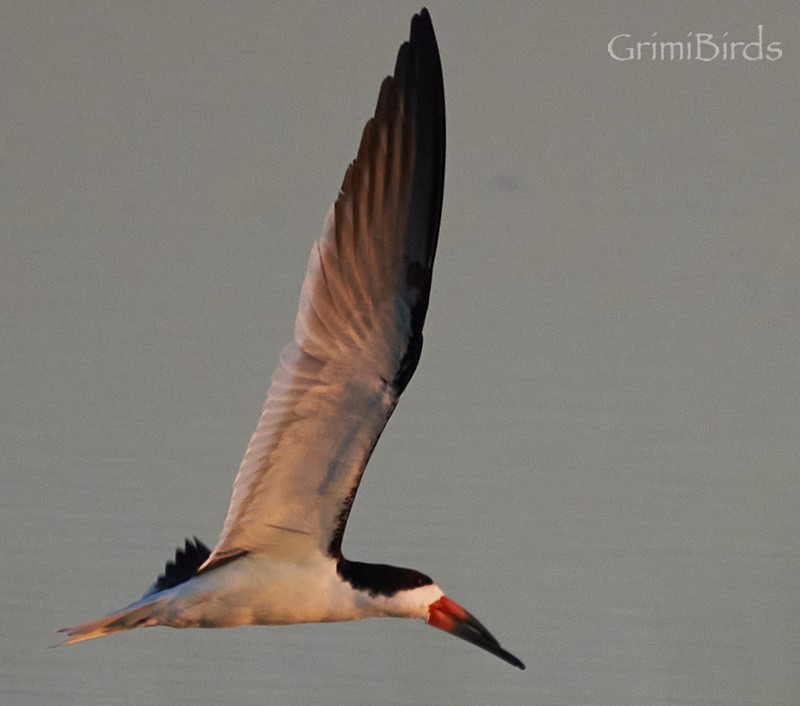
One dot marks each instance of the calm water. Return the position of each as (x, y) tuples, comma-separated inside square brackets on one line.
[(599, 453)]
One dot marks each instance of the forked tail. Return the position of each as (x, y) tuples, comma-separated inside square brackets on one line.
[(137, 615), (141, 613)]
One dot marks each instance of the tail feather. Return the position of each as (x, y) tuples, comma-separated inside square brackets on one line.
[(140, 614), (136, 615)]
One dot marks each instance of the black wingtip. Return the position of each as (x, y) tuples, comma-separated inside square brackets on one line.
[(419, 71), (421, 24)]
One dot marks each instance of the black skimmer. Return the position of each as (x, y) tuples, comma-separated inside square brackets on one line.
[(357, 341)]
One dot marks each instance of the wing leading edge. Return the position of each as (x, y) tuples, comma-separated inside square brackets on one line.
[(358, 332)]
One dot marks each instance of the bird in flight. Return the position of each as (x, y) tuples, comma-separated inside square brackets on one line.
[(357, 340)]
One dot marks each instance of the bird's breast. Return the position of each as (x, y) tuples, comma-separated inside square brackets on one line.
[(258, 590)]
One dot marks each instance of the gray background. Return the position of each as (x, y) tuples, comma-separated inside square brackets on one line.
[(598, 455)]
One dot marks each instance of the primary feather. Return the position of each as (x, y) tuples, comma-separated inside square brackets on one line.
[(358, 332)]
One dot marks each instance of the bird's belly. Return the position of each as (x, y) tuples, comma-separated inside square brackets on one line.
[(252, 591)]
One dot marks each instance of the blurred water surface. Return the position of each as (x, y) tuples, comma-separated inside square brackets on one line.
[(599, 452)]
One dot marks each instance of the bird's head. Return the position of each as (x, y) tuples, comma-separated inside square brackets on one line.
[(405, 593), (429, 602)]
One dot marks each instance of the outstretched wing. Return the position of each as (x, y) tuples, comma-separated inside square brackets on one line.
[(358, 333)]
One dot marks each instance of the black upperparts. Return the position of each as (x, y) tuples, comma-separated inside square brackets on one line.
[(187, 561), (418, 74), (380, 579)]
